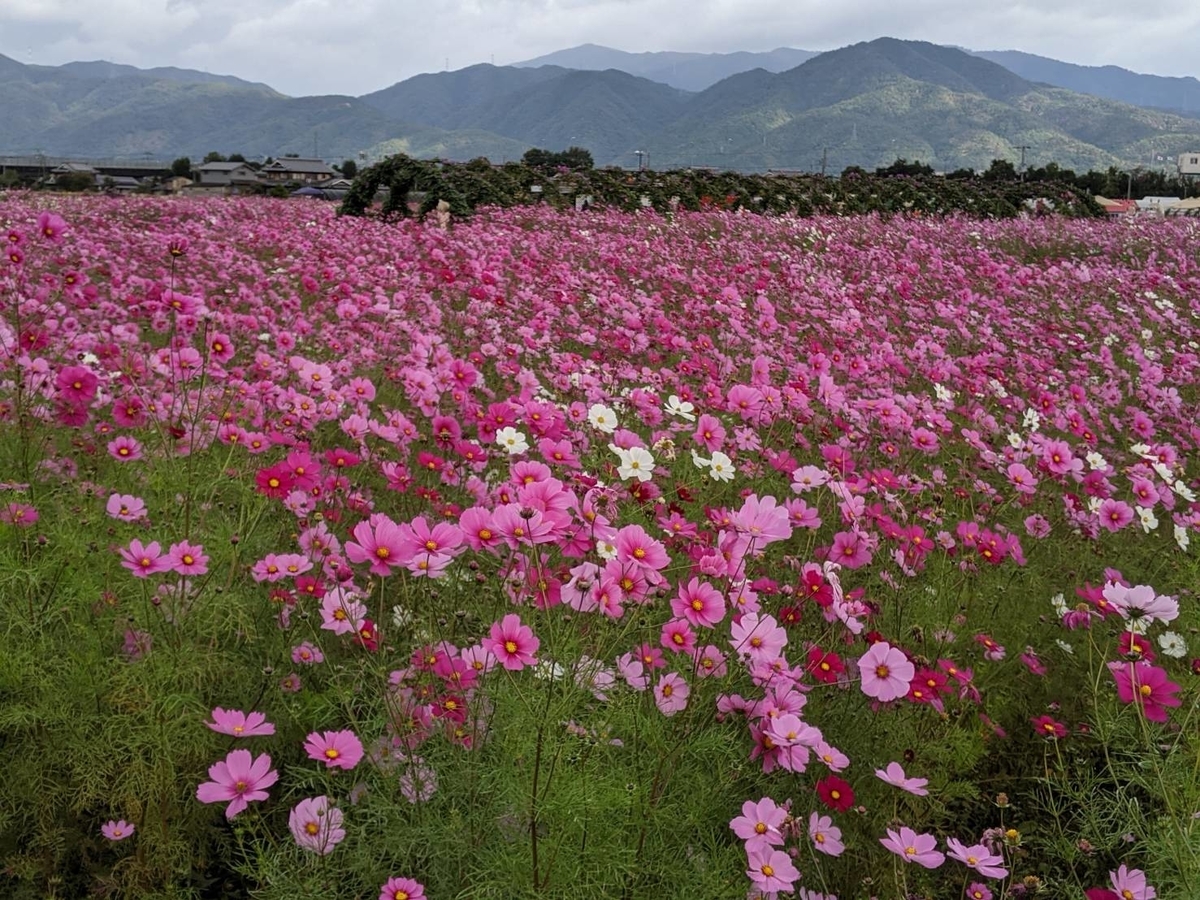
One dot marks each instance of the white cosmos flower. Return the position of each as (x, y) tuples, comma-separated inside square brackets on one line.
[(1095, 461), (636, 462), (944, 394), (602, 418), (1064, 646), (1149, 520), (1184, 492), (605, 550), (721, 466), (512, 440), (1015, 440), (1032, 420), (681, 408), (1060, 606), (1181, 537), (1172, 645)]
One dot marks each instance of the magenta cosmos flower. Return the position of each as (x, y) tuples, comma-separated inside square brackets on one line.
[(512, 643), (1147, 686), (116, 830), (144, 560), (316, 825), (188, 559), (912, 847), (126, 507), (337, 749), (380, 542), (894, 775), (886, 672), (402, 889), (238, 779), (240, 724)]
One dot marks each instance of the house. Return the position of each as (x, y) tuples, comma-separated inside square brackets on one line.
[(1189, 164), (1115, 209), (1156, 205), (299, 170), (116, 184), (224, 174)]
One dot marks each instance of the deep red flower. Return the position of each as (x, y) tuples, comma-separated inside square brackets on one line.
[(835, 793)]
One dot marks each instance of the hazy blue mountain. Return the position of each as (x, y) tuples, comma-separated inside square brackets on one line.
[(687, 71), (874, 102), (1180, 95), (608, 112)]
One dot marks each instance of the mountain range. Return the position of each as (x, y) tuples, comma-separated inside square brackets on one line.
[(867, 104)]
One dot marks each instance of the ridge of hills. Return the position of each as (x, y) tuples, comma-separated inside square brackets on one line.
[(867, 104)]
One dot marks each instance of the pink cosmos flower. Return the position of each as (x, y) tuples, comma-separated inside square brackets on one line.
[(240, 724), (144, 560), (21, 515), (978, 857), (886, 672), (341, 612), (894, 775), (125, 449), (912, 847), (760, 823), (240, 779), (402, 889), (1146, 686), (512, 643), (758, 637), (701, 604), (187, 558), (850, 549), (117, 830), (337, 749), (77, 385), (1114, 514), (671, 694), (126, 507), (307, 654), (826, 837), (316, 825), (771, 870), (380, 542)]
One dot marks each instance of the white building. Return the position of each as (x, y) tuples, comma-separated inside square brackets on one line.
[(1189, 163)]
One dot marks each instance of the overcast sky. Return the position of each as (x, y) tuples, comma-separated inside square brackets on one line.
[(357, 46)]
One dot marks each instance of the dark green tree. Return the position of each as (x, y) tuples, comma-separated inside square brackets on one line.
[(214, 156), (349, 169), (182, 167), (1001, 170)]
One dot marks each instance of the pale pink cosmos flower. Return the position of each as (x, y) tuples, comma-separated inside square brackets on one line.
[(671, 694), (307, 654), (758, 637), (826, 837), (316, 825), (402, 889), (894, 775), (760, 823), (240, 779), (914, 848), (1130, 884), (1141, 603), (240, 724), (126, 507), (886, 672), (337, 749), (341, 612), (771, 870), (977, 857), (117, 830)]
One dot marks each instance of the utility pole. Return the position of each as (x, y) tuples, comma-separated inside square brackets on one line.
[(1023, 148), (824, 159)]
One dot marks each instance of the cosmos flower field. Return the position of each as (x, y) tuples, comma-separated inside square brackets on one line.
[(596, 555)]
